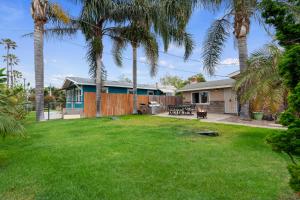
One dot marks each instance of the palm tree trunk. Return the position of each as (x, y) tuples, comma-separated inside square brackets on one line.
[(98, 84), (243, 56), (134, 78), (7, 68), (11, 77), (39, 69)]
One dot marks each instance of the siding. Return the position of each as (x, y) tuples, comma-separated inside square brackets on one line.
[(214, 95), (216, 99)]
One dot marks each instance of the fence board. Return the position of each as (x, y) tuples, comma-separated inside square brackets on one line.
[(122, 104)]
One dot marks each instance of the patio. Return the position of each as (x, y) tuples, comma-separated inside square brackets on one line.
[(227, 119)]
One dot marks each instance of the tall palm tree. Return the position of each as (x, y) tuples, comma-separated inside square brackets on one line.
[(261, 80), (11, 61), (42, 11), (97, 20), (8, 44), (137, 32), (238, 17)]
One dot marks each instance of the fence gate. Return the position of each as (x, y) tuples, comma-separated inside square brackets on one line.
[(89, 104)]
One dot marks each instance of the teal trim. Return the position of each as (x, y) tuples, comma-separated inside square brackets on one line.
[(117, 90), (111, 90)]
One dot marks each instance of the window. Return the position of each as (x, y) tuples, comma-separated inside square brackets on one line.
[(200, 97), (150, 92), (105, 90), (129, 91), (78, 95)]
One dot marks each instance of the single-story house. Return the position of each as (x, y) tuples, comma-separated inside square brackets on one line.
[(76, 87), (214, 96)]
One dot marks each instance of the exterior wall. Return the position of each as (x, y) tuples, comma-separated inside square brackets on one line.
[(73, 104), (219, 102), (119, 90), (216, 100), (76, 107)]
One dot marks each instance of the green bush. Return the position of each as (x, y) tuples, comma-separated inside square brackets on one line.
[(286, 141), (286, 118), (295, 177)]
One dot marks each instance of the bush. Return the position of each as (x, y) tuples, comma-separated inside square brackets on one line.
[(286, 118), (295, 177)]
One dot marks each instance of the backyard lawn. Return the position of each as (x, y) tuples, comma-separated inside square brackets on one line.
[(140, 157)]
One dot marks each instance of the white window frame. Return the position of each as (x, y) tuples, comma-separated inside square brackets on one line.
[(150, 91), (78, 95), (199, 92)]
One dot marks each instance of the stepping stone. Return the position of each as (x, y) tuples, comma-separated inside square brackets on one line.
[(209, 133)]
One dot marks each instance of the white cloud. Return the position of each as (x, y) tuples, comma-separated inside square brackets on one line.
[(165, 63), (143, 59), (230, 61)]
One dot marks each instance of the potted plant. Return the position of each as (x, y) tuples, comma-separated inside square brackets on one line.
[(258, 115)]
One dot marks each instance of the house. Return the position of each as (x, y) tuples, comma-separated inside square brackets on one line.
[(76, 88), (214, 96)]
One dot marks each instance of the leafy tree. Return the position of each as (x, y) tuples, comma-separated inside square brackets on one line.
[(124, 78), (283, 16), (43, 11), (8, 45), (178, 82), (175, 81), (198, 78)]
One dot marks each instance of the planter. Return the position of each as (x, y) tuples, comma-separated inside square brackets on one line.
[(258, 115)]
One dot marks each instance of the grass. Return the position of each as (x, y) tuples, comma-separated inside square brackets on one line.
[(140, 157)]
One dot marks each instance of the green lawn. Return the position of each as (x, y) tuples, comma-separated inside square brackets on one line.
[(140, 157)]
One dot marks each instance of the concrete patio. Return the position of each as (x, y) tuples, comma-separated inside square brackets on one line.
[(228, 119)]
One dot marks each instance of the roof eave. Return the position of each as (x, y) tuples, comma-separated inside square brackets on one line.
[(204, 88)]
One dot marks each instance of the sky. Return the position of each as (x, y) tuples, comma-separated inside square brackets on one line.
[(66, 57)]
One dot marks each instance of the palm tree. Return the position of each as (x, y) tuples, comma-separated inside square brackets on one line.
[(97, 20), (137, 33), (238, 17), (261, 80), (42, 11), (11, 61), (8, 44)]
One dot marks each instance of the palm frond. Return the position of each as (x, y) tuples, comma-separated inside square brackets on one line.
[(261, 79), (213, 44)]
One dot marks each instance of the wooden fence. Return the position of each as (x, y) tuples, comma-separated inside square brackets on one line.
[(122, 104)]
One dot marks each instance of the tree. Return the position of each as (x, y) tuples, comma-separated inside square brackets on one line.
[(138, 33), (175, 81), (43, 11), (198, 78), (284, 16), (95, 22), (124, 78), (11, 61), (178, 82), (238, 17), (11, 108), (8, 44)]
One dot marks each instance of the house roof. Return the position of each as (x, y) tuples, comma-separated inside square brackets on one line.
[(87, 81), (225, 83)]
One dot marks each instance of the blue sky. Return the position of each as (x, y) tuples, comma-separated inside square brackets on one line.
[(67, 57)]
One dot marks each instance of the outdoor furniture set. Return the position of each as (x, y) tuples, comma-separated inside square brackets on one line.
[(186, 109)]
